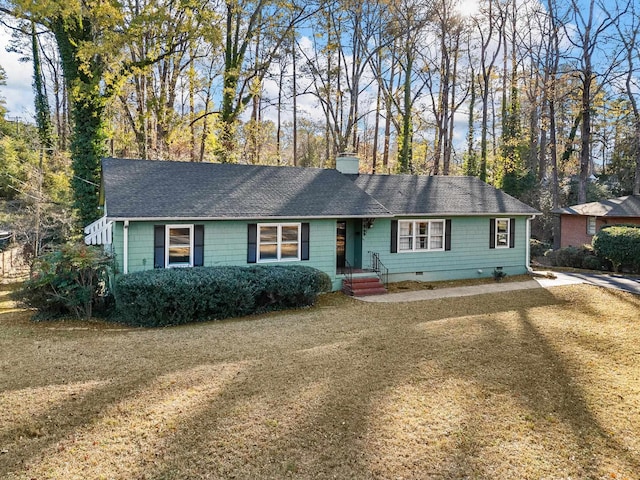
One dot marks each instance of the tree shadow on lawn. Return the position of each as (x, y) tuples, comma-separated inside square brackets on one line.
[(357, 408), (603, 325), (48, 396), (56, 424), (544, 383), (418, 395)]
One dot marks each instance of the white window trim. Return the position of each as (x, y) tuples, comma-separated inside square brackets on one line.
[(279, 243), (167, 229), (415, 235), (595, 223), (508, 220)]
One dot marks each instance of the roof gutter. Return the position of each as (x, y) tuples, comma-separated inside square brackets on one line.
[(319, 217), (458, 214), (243, 218)]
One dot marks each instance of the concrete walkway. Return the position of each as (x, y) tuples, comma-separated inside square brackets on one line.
[(622, 283)]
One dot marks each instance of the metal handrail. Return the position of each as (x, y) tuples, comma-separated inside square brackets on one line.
[(381, 270), (348, 271)]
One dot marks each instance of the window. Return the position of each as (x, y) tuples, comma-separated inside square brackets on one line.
[(591, 226), (278, 242), (421, 235), (179, 246), (502, 232)]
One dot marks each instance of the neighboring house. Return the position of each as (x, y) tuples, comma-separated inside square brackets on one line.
[(161, 214), (579, 223)]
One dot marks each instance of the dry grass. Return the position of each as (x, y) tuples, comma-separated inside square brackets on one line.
[(529, 384)]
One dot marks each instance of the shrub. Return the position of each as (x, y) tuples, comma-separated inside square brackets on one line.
[(280, 287), (498, 274), (567, 257), (72, 280), (538, 248), (593, 262), (574, 257), (164, 297), (620, 244)]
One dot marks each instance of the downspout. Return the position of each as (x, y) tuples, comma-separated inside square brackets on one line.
[(125, 247), (528, 244)]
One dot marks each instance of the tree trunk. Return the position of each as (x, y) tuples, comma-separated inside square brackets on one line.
[(405, 163), (449, 140), (484, 128), (374, 154), (585, 138), (471, 167), (279, 114), (87, 108), (295, 103), (43, 112), (389, 113), (193, 154)]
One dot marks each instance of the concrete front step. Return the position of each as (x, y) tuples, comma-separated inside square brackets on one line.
[(360, 287)]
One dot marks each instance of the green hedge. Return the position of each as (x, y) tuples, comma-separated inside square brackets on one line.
[(620, 244), (163, 297), (577, 257)]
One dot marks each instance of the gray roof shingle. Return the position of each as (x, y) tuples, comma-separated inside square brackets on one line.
[(628, 206), (182, 190), (152, 189), (440, 195)]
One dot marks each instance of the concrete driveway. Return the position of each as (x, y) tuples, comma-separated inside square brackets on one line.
[(619, 282)]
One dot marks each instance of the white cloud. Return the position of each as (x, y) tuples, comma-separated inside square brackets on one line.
[(18, 92)]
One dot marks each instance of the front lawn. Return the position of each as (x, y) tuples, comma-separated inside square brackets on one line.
[(526, 384)]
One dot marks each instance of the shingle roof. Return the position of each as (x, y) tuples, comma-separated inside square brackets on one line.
[(628, 206), (144, 189), (174, 190), (440, 195)]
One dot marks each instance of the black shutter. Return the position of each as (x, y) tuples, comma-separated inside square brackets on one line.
[(492, 233), (394, 236), (447, 234), (304, 253), (512, 232), (198, 245), (252, 243), (158, 246)]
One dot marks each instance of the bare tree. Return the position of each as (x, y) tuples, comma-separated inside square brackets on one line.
[(339, 67), (628, 35), (488, 23), (449, 28), (586, 30)]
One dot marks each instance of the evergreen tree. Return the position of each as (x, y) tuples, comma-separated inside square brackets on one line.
[(43, 112)]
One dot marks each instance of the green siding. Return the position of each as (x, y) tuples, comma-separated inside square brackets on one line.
[(226, 244), (469, 252), (117, 245)]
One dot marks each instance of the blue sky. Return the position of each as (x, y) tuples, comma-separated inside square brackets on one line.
[(17, 92)]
